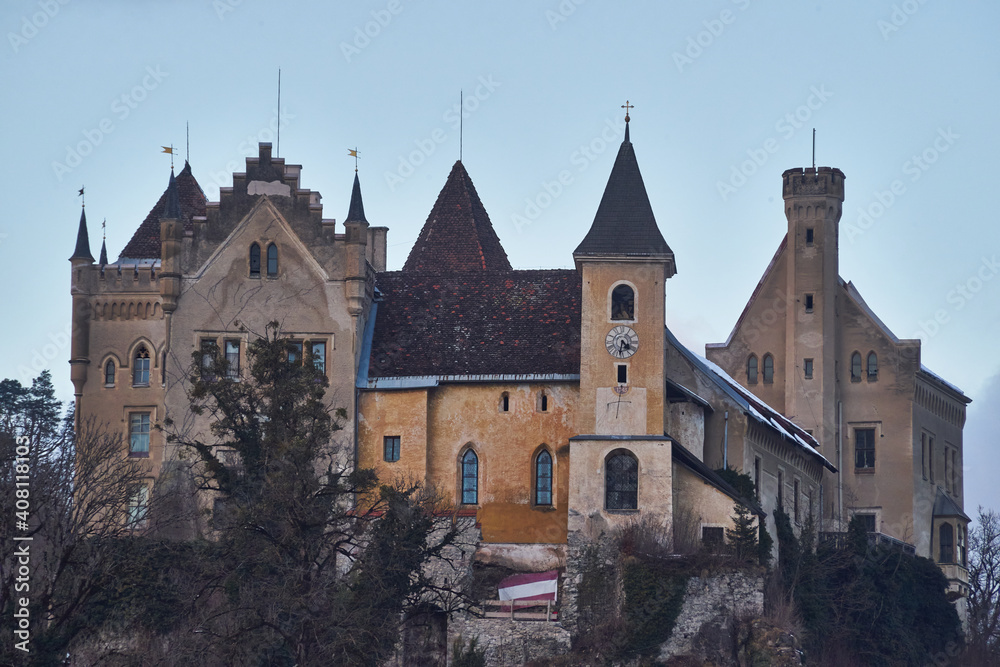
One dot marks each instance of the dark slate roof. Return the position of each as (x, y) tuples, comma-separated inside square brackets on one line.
[(82, 250), (945, 506), (145, 243), (356, 212), (624, 224), (104, 253), (458, 235), (480, 323)]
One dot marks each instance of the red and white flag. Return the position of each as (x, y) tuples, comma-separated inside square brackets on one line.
[(532, 586)]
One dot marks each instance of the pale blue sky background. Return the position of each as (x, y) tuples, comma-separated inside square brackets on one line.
[(712, 83)]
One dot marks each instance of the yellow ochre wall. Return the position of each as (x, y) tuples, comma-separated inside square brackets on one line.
[(437, 424)]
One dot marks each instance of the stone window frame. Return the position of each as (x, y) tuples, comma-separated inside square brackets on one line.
[(856, 369), (753, 368), (623, 507), (874, 427), (536, 476), (253, 260), (463, 488), (272, 258), (871, 366), (611, 302), (768, 368)]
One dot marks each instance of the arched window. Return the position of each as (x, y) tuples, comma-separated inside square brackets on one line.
[(470, 478), (140, 367), (752, 369), (872, 366), (543, 478), (622, 303), (947, 539), (254, 260), (768, 369), (856, 367), (109, 373), (272, 260), (621, 481)]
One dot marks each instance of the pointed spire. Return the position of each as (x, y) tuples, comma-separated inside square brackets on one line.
[(172, 209), (624, 224), (458, 236), (82, 240), (356, 213), (104, 253)]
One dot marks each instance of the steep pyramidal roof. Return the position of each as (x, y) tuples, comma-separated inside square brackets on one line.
[(104, 253), (624, 224), (82, 250), (458, 236), (356, 212), (145, 242)]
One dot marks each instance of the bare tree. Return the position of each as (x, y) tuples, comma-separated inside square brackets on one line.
[(71, 494), (984, 589)]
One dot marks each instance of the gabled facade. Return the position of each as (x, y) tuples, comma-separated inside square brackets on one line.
[(809, 345)]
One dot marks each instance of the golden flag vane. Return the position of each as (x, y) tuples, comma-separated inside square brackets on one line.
[(353, 152), (169, 149)]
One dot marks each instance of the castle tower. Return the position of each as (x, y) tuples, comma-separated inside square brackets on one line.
[(813, 205), (620, 461), (80, 344), (356, 231)]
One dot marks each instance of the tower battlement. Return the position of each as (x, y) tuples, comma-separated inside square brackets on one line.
[(822, 181)]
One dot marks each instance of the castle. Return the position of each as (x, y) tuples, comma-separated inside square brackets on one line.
[(555, 406)]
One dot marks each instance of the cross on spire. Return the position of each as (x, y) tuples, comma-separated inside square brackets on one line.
[(627, 106)]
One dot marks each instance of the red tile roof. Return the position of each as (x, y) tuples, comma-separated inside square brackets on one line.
[(479, 323), (458, 235), (145, 242)]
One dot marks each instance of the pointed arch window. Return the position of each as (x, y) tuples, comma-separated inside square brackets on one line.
[(272, 260), (622, 303), (109, 373), (254, 260), (470, 478), (543, 478), (621, 481), (752, 369), (872, 367), (140, 367), (856, 367), (768, 369)]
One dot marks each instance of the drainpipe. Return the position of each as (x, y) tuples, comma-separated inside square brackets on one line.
[(840, 466), (725, 443)]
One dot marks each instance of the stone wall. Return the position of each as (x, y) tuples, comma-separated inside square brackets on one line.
[(712, 603), (509, 642)]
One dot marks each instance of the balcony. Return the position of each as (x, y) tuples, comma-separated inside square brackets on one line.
[(958, 580)]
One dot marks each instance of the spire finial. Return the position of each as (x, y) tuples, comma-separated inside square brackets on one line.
[(353, 152), (83, 198), (627, 107)]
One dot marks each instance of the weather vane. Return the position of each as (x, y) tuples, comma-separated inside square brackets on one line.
[(627, 106), (353, 152), (83, 200), (169, 149)]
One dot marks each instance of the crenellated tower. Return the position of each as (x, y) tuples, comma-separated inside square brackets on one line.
[(813, 204)]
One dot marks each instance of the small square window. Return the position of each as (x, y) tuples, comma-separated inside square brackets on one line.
[(809, 303), (809, 235), (712, 536), (868, 521), (807, 367), (390, 444)]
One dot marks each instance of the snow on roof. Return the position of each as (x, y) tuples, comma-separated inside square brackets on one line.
[(935, 376), (752, 405)]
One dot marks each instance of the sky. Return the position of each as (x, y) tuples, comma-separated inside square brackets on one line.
[(726, 93)]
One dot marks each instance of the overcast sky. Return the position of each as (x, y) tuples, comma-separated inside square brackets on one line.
[(903, 96)]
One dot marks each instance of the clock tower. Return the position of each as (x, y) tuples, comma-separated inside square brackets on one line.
[(620, 459), (624, 263)]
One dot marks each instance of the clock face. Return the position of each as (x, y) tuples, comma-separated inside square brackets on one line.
[(622, 342)]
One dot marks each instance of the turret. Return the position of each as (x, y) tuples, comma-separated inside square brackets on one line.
[(813, 204), (171, 235), (356, 238), (80, 343)]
